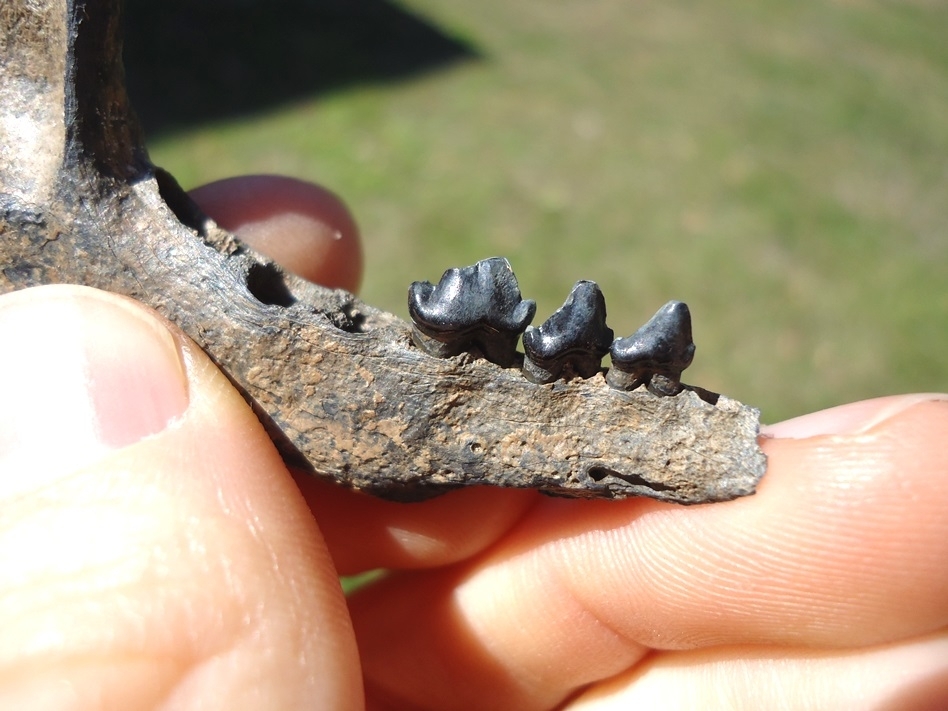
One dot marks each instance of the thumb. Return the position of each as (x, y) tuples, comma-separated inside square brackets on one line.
[(153, 546)]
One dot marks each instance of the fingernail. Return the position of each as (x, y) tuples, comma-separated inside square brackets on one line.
[(854, 418), (83, 373)]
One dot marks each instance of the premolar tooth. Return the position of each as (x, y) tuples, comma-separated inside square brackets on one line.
[(573, 341), (471, 307), (656, 354)]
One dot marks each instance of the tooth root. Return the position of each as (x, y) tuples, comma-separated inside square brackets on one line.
[(656, 354), (471, 308), (573, 341)]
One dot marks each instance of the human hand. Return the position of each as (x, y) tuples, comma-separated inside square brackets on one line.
[(155, 550)]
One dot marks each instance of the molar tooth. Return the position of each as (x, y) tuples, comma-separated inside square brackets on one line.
[(471, 307), (656, 354), (573, 341)]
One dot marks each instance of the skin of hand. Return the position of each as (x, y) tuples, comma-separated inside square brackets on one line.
[(157, 553)]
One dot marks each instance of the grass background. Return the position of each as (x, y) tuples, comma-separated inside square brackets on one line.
[(782, 167)]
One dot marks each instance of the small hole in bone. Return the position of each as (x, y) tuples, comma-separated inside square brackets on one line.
[(600, 473), (266, 283)]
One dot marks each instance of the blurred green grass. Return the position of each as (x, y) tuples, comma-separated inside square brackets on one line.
[(782, 167)]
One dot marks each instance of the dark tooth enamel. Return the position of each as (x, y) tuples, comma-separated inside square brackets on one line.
[(656, 354), (473, 307), (573, 341)]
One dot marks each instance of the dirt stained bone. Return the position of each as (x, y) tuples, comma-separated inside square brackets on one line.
[(80, 203)]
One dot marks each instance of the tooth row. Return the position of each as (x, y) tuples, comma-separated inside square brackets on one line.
[(479, 308)]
